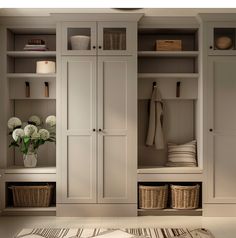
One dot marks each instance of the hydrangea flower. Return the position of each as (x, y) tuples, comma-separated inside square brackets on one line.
[(30, 130), (35, 136), (14, 122), (17, 133), (44, 134), (35, 120), (50, 121)]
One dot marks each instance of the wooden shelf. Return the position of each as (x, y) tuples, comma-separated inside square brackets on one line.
[(43, 211), (23, 170), (168, 75), (30, 75), (168, 53), (169, 170), (31, 54), (169, 212)]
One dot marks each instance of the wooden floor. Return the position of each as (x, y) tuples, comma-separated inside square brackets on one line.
[(220, 227)]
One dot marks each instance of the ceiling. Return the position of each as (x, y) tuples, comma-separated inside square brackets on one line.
[(146, 11)]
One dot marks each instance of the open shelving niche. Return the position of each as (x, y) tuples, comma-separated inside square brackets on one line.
[(181, 114), (21, 68)]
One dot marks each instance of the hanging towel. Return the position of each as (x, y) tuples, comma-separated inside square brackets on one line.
[(155, 130)]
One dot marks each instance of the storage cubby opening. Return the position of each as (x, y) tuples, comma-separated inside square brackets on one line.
[(18, 38), (25, 65), (180, 183), (179, 126), (147, 38), (225, 32), (23, 109), (167, 65), (9, 193)]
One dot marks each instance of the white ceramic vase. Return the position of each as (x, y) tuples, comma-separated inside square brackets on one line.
[(30, 159)]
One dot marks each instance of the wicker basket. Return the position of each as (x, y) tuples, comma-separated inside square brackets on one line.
[(184, 197), (32, 196), (153, 197)]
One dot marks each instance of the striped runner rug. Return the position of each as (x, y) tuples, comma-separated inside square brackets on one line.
[(134, 232)]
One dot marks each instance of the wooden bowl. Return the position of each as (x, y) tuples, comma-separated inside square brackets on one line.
[(224, 43)]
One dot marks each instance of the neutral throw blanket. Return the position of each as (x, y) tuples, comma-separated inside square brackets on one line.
[(155, 130)]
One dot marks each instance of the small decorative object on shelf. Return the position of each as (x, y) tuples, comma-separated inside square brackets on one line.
[(29, 136), (45, 67), (80, 42), (46, 91), (169, 45), (36, 45), (224, 43)]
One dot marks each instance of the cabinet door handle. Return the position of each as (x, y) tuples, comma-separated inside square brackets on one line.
[(99, 47), (99, 129), (210, 129), (94, 47), (94, 129), (211, 47)]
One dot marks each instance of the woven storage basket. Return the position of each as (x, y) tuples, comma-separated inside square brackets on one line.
[(184, 197), (153, 197), (32, 196)]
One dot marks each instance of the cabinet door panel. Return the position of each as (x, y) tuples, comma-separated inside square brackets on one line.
[(221, 143), (78, 138), (80, 96), (117, 141), (117, 38)]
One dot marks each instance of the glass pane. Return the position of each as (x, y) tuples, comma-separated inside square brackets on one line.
[(224, 38), (114, 38), (79, 39)]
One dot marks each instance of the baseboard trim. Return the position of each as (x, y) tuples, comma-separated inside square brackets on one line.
[(96, 210)]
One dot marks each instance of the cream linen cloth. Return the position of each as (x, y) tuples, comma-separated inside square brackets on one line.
[(155, 130)]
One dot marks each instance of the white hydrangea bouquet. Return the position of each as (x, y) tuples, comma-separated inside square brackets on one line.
[(29, 136)]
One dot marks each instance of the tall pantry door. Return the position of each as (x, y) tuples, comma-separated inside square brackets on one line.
[(221, 120), (117, 129), (78, 129)]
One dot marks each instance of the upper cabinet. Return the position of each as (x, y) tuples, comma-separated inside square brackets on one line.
[(98, 38), (222, 38)]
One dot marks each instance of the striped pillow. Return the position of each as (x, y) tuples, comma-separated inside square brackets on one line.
[(182, 155)]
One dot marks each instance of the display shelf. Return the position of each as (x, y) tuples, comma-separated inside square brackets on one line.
[(168, 53), (37, 170), (169, 212), (169, 170), (30, 75), (30, 54), (168, 75), (44, 211)]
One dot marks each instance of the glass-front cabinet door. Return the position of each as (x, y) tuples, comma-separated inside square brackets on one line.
[(79, 38), (222, 39), (116, 38)]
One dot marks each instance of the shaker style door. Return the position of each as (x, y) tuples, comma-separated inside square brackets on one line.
[(117, 137), (79, 38), (117, 38), (221, 120), (78, 135)]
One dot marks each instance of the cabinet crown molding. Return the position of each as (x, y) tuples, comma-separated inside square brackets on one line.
[(132, 17)]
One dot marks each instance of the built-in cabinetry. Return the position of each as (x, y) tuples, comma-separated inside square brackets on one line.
[(181, 112), (219, 115), (18, 73), (98, 145)]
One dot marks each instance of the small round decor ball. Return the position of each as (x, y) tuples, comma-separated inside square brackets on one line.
[(224, 43)]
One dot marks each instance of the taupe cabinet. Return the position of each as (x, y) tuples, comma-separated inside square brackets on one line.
[(99, 134), (221, 120)]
